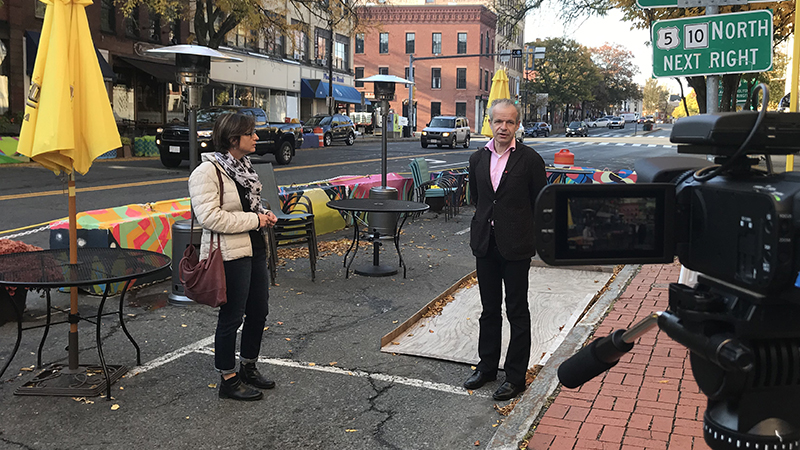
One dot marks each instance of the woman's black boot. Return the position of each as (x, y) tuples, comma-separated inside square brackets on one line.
[(250, 375), (233, 388)]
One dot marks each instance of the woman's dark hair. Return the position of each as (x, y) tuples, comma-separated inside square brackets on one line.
[(228, 128)]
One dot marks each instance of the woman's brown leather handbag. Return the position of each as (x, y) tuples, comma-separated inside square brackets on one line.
[(204, 281)]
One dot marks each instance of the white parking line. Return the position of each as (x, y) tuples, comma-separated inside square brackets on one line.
[(160, 361), (360, 374)]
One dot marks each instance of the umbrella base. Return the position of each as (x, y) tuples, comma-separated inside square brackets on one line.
[(56, 380)]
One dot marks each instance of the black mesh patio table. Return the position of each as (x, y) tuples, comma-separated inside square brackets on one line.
[(373, 205), (49, 269)]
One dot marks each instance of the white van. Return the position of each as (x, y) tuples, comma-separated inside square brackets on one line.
[(629, 117)]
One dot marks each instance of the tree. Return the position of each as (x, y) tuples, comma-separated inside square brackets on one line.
[(567, 73), (691, 103), (617, 70), (655, 97)]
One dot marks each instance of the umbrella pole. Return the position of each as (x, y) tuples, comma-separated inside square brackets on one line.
[(73, 291)]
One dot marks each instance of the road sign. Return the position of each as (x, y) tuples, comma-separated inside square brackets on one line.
[(741, 93), (645, 4), (713, 45), (505, 56), (516, 53)]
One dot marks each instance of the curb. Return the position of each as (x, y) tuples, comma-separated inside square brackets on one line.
[(517, 425)]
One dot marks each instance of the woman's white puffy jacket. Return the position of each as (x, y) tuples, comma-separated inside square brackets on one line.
[(230, 221)]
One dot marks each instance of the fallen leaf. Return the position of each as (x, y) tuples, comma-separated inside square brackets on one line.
[(664, 381), (27, 369), (213, 385), (266, 328), (477, 443), (410, 335), (395, 321), (280, 323), (288, 339), (332, 363), (350, 430), (187, 417), (121, 388), (430, 331), (184, 325), (395, 343), (114, 407), (312, 364)]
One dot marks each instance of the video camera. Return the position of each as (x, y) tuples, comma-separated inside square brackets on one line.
[(734, 223)]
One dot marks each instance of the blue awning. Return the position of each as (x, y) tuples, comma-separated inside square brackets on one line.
[(32, 47), (319, 89)]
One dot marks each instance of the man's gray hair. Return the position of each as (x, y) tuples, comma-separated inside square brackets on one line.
[(504, 102)]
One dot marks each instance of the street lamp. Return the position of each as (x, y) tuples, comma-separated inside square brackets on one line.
[(193, 63), (383, 223)]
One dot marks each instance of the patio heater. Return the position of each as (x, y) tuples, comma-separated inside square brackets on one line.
[(193, 64), (383, 86)]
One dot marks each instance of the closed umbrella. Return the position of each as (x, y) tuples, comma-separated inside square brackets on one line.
[(68, 120), (499, 90)]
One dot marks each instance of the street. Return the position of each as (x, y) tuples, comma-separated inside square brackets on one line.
[(32, 195)]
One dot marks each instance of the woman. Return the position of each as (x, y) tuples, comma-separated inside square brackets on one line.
[(240, 223)]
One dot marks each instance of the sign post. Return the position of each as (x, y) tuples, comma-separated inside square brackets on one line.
[(713, 45)]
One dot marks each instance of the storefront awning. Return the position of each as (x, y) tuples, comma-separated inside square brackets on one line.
[(159, 71), (32, 47), (319, 89)]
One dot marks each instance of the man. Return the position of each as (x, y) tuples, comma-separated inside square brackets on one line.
[(505, 178)]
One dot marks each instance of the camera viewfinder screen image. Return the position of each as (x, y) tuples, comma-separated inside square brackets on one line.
[(606, 227)]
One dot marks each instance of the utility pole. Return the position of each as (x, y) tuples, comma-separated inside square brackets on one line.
[(329, 52)]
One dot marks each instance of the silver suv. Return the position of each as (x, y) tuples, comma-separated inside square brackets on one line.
[(446, 130)]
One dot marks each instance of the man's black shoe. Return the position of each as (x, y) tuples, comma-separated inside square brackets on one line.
[(478, 379), (507, 391)]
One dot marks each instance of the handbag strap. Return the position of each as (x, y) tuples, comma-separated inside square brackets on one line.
[(221, 191)]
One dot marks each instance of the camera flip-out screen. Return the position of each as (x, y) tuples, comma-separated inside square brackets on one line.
[(606, 224)]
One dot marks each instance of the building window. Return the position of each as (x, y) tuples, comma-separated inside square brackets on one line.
[(436, 44), (480, 79), (462, 43), (175, 32), (480, 47), (486, 79), (406, 73), (108, 19), (410, 43), (273, 41), (488, 47), (39, 9), (132, 23), (359, 74), (436, 109), (436, 78), (359, 43), (384, 44), (461, 109), (461, 78), (154, 27), (321, 46), (340, 56), (383, 71), (299, 43)]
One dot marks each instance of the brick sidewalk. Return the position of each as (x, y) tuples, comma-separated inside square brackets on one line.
[(647, 401)]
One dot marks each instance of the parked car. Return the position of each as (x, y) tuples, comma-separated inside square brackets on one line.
[(337, 127), (577, 129), (537, 129), (446, 130), (601, 122), (616, 122), (280, 139)]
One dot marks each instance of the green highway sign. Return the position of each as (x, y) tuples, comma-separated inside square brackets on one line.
[(646, 4), (713, 45), (741, 93)]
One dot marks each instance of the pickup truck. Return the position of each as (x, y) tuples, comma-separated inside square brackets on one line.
[(279, 139)]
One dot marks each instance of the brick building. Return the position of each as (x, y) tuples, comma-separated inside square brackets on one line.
[(452, 86), (142, 87)]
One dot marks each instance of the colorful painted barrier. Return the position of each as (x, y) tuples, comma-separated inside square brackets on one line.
[(311, 140), (574, 175), (8, 151)]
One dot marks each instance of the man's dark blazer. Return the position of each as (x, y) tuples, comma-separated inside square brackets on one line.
[(511, 207)]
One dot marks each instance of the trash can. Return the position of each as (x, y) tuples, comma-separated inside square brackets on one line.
[(181, 234), (383, 223), (647, 127)]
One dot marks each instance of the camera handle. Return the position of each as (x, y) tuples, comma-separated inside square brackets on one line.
[(744, 410)]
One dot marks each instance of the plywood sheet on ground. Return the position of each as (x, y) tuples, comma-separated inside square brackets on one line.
[(556, 298)]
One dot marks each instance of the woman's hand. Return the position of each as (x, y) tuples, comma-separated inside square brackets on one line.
[(267, 220)]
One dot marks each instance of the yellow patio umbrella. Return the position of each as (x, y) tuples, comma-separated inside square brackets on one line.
[(68, 120), (499, 90)]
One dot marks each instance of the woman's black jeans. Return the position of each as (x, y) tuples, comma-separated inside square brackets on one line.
[(248, 297)]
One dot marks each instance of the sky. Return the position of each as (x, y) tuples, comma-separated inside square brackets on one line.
[(544, 23)]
